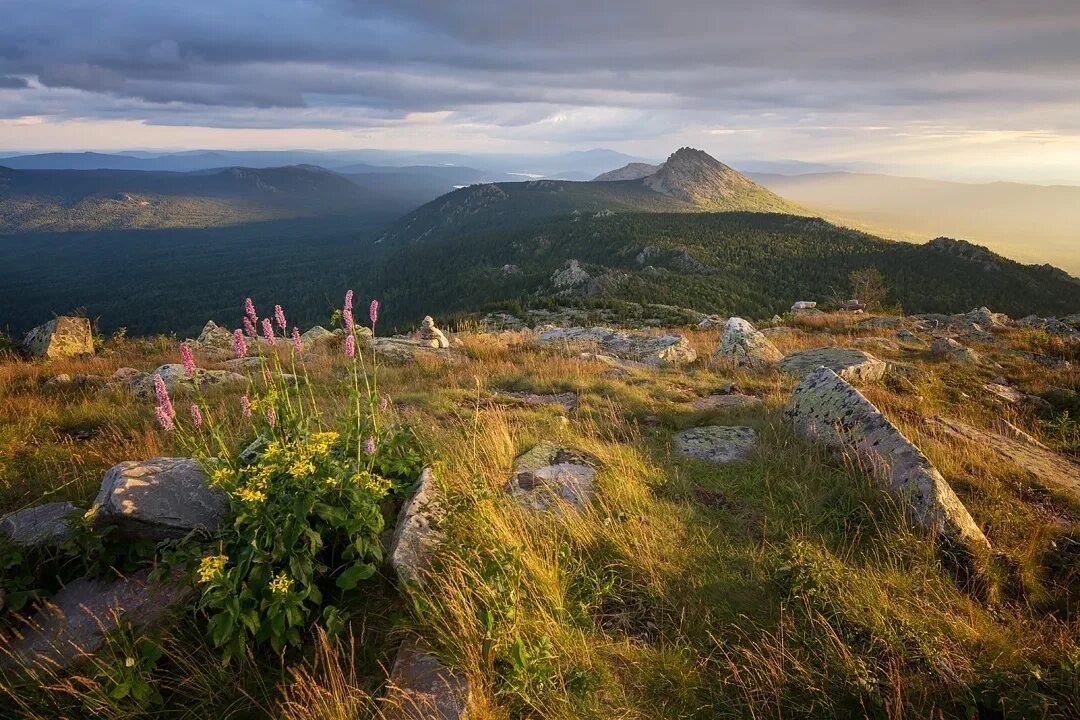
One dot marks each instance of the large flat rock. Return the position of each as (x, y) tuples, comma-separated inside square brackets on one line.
[(855, 366), (828, 410), (39, 525), (417, 535), (159, 498), (549, 475), (652, 350), (719, 444)]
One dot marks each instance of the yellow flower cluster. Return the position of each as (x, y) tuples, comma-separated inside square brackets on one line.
[(251, 495), (280, 584), (211, 566), (221, 477), (375, 484), (298, 460)]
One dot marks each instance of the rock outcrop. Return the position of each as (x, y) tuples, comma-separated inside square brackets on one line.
[(417, 535), (213, 337), (158, 499), (549, 475), (40, 525), (719, 444), (950, 349), (828, 410), (176, 380), (422, 688), (652, 350), (744, 346), (59, 338), (855, 366)]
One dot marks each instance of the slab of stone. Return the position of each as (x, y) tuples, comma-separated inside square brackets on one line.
[(549, 475), (422, 688), (405, 350), (176, 380), (719, 444), (417, 535), (45, 524), (651, 350), (742, 345), (159, 498), (76, 621), (721, 402), (567, 400), (855, 366), (828, 410), (60, 337), (1042, 465)]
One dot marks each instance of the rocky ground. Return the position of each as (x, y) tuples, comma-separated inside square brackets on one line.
[(825, 515)]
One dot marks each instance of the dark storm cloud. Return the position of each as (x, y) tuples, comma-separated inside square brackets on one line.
[(331, 62)]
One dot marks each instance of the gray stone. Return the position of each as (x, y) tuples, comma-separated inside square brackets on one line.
[(828, 410), (431, 335), (417, 535), (652, 350), (548, 475), (716, 443), (318, 338), (176, 380), (422, 688), (742, 345), (40, 525), (570, 276), (159, 498), (403, 350), (803, 305), (948, 348), (726, 401), (77, 620), (59, 338), (213, 337), (855, 366)]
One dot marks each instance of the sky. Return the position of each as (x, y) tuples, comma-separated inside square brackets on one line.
[(954, 89)]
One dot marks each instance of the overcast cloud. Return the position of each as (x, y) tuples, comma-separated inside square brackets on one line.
[(949, 87)]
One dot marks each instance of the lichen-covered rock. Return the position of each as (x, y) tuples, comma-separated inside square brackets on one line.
[(855, 366), (549, 473), (828, 410), (422, 688), (176, 380), (60, 337), (742, 345), (417, 535), (39, 525), (718, 402), (213, 337), (719, 444), (652, 350), (159, 498), (77, 619)]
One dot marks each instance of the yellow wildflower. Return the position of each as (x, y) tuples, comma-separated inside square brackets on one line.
[(272, 450), (375, 484), (302, 468), (251, 495), (221, 476), (280, 584), (211, 566)]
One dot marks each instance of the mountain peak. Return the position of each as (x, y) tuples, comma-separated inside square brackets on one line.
[(696, 177)]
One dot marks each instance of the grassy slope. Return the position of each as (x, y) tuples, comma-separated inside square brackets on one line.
[(787, 586)]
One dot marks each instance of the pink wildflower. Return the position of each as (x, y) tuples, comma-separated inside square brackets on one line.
[(238, 345), (271, 416), (196, 416), (369, 446), (296, 341), (249, 311), (162, 392), (346, 313), (249, 328), (350, 346), (164, 418), (373, 312), (245, 406), (268, 331), (188, 359), (279, 317)]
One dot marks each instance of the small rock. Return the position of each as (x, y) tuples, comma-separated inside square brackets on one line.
[(744, 346), (548, 473), (60, 337), (422, 688), (40, 525), (159, 498), (945, 347), (716, 443), (802, 305), (417, 535)]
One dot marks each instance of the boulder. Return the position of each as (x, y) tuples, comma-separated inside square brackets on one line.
[(60, 337), (213, 337), (177, 380), (1041, 465), (827, 410), (417, 533), (317, 338), (431, 335), (744, 346), (403, 350), (159, 498), (719, 444), (725, 401), (711, 321), (855, 366), (652, 350), (948, 348), (77, 619), (549, 475), (422, 688), (40, 525), (802, 305)]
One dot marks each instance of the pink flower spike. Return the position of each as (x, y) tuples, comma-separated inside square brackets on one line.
[(373, 312), (271, 416), (188, 359), (249, 328), (350, 346), (346, 313), (268, 331), (279, 317), (162, 393), (369, 446), (296, 341), (238, 345), (196, 416), (164, 418), (249, 311), (245, 406)]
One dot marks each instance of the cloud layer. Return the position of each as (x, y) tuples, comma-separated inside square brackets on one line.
[(779, 77)]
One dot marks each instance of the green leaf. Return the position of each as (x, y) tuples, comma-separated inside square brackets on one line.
[(361, 571)]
